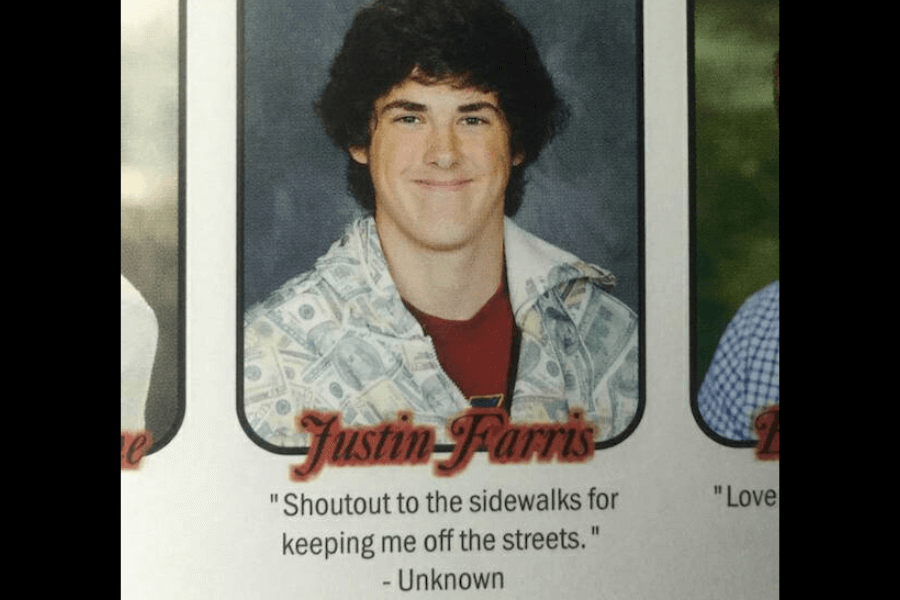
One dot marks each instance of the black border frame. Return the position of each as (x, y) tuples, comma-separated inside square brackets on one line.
[(239, 254)]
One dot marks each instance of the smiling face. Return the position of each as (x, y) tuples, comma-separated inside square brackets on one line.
[(440, 159)]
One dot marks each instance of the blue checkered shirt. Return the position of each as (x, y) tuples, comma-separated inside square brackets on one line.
[(743, 377)]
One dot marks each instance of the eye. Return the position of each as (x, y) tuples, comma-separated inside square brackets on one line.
[(410, 119), (475, 121)]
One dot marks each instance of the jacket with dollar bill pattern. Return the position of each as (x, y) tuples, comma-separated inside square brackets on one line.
[(339, 338)]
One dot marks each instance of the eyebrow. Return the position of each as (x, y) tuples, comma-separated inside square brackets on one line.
[(476, 106), (403, 105), (417, 107)]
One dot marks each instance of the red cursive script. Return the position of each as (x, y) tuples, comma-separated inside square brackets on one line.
[(389, 443), (135, 445), (402, 443), (767, 429), (489, 428)]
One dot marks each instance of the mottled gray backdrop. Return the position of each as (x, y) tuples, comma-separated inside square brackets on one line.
[(584, 194)]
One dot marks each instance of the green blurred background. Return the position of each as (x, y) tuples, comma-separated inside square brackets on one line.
[(736, 162)]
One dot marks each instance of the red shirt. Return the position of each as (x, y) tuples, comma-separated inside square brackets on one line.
[(476, 353)]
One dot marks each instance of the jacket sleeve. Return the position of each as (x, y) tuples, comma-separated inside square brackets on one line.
[(611, 340), (277, 354)]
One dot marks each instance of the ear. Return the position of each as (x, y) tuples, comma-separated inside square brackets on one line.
[(518, 158), (360, 154)]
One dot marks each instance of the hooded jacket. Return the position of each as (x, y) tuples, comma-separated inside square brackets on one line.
[(339, 338)]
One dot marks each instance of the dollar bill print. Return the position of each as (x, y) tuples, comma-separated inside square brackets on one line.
[(341, 339)]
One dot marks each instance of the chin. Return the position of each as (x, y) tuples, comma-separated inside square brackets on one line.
[(445, 241)]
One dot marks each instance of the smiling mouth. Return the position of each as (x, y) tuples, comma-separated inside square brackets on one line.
[(438, 184)]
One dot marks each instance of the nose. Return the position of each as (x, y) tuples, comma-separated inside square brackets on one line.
[(443, 147)]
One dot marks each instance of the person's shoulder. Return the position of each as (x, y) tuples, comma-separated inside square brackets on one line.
[(583, 291), (320, 288), (583, 287), (764, 304), (131, 296), (757, 318), (134, 308), (291, 320), (767, 296), (609, 316), (285, 298), (587, 288)]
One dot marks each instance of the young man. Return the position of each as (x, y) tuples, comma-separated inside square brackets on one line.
[(437, 301)]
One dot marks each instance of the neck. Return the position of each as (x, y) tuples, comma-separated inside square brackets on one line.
[(451, 284)]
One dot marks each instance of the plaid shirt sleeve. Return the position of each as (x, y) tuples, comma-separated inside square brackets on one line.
[(743, 377)]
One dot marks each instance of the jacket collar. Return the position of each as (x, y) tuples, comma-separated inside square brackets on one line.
[(532, 267)]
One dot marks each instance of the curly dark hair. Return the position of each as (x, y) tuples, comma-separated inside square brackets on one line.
[(477, 43)]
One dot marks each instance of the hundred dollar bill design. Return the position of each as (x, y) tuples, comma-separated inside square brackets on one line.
[(339, 338)]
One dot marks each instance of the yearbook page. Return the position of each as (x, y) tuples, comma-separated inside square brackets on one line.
[(449, 298)]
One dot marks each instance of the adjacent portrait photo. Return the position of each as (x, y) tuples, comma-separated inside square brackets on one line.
[(735, 232), (152, 230), (441, 207)]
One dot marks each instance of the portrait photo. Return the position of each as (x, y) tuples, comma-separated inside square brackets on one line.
[(440, 207), (152, 230), (735, 229)]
